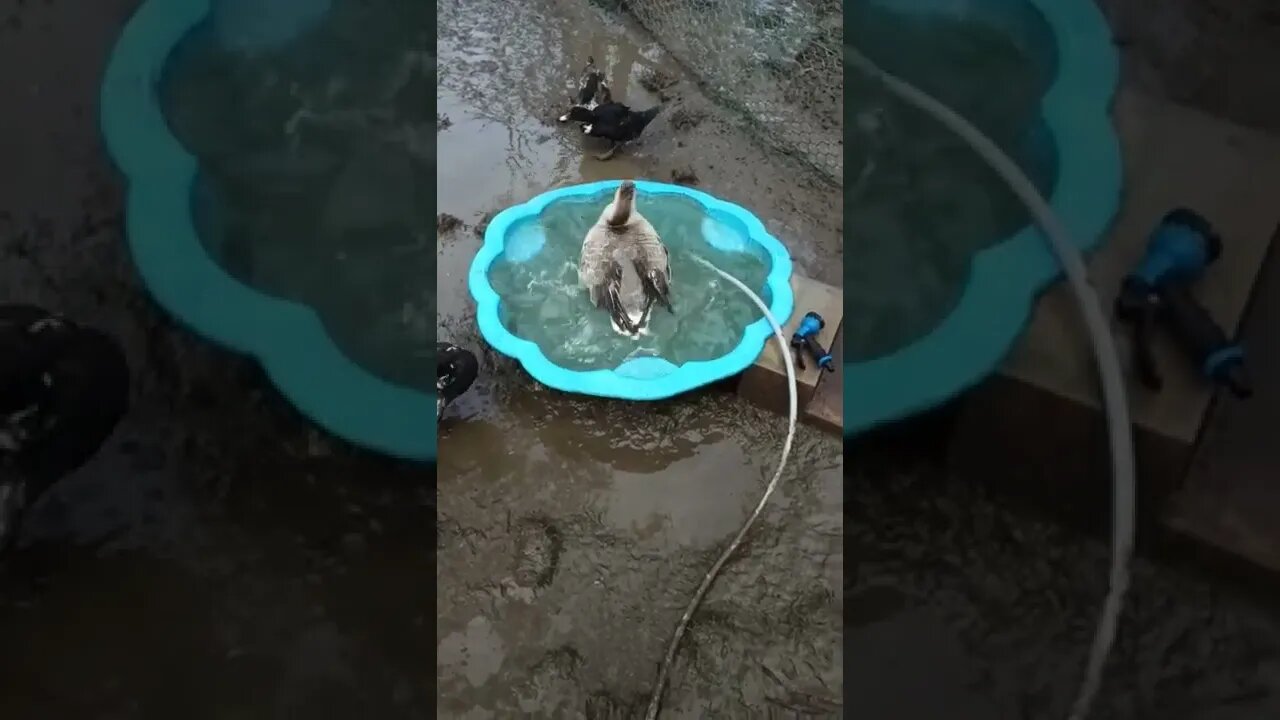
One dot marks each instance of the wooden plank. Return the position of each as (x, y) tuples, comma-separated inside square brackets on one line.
[(765, 382), (1231, 499), (1229, 174), (826, 408), (1044, 407)]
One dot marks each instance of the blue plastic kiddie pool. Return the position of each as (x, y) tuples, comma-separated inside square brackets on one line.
[(515, 236), (287, 338)]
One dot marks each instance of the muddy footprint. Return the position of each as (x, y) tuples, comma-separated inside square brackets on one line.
[(538, 547), (608, 706), (553, 679)]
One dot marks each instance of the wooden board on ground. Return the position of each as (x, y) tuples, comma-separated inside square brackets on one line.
[(1232, 495), (1173, 156), (1048, 390), (765, 382), (826, 408)]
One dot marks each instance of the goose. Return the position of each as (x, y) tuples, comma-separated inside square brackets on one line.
[(621, 246)]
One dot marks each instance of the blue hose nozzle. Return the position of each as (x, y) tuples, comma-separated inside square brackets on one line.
[(805, 338)]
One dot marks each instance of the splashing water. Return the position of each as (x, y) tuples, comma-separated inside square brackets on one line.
[(543, 302)]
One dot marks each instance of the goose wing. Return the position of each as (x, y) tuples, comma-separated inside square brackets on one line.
[(652, 262), (594, 260), (600, 272)]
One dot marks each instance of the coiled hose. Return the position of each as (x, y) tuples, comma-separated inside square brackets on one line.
[(1115, 400)]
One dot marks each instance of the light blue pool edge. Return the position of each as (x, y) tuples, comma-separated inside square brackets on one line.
[(607, 382), (1006, 279), (287, 338)]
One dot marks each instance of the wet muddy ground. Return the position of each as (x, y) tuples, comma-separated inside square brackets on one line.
[(963, 604), (573, 530), (570, 526)]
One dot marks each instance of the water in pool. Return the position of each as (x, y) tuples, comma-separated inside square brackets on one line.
[(918, 202), (543, 302), (311, 127)]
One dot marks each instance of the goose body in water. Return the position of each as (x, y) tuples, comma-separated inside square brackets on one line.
[(624, 265)]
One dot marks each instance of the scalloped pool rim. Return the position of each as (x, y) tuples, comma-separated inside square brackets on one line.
[(1007, 278), (288, 339), (607, 382)]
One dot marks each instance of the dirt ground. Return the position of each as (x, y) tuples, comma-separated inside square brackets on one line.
[(573, 530), (998, 604)]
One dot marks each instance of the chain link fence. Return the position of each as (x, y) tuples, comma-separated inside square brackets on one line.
[(778, 62)]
